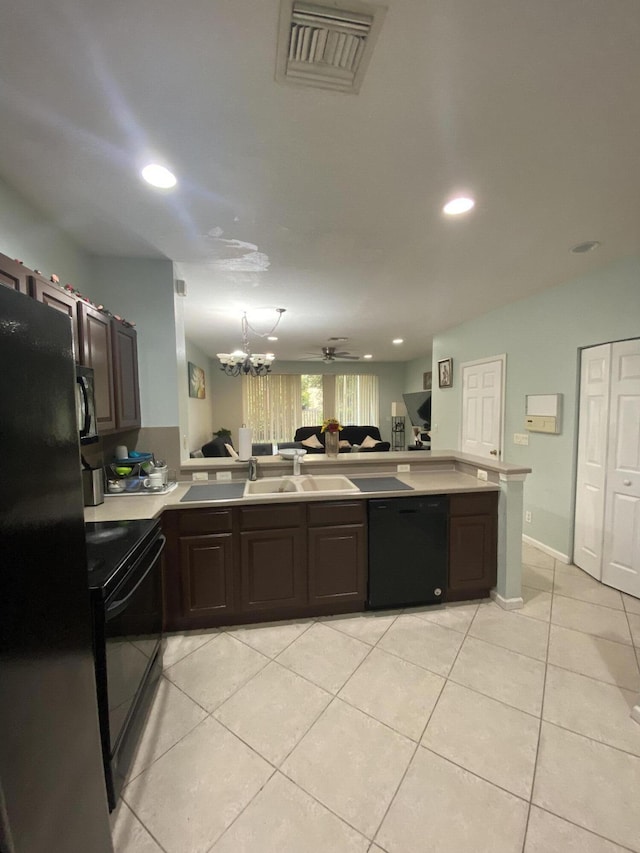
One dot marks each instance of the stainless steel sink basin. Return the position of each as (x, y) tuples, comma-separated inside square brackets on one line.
[(304, 484)]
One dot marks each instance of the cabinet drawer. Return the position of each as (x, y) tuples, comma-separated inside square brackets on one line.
[(473, 503), (204, 520), (337, 512), (269, 516)]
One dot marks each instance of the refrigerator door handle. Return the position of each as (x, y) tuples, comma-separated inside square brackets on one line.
[(85, 407)]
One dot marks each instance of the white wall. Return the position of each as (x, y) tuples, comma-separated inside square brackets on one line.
[(541, 337), (141, 289), (199, 412), (26, 234)]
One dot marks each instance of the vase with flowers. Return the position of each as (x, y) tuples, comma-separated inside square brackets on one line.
[(331, 429)]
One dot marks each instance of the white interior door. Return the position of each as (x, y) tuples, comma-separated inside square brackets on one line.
[(592, 459), (483, 407), (621, 558)]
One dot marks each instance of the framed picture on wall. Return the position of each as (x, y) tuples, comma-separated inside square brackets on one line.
[(426, 381), (196, 382), (445, 373)]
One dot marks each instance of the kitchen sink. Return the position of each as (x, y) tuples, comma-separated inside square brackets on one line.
[(304, 484)]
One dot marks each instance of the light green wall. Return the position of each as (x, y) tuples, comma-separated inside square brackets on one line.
[(541, 337), (414, 371), (26, 234), (200, 412), (227, 393), (141, 289)]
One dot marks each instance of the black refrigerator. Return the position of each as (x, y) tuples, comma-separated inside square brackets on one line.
[(52, 790)]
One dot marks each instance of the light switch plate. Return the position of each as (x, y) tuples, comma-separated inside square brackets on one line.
[(520, 438), (402, 469), (482, 474), (199, 475), (223, 475)]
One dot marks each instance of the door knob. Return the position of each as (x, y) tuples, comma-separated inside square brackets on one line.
[(627, 482), (493, 452)]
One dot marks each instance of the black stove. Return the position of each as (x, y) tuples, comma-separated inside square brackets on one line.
[(112, 545), (125, 581)]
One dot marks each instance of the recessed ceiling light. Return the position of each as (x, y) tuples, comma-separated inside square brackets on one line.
[(398, 341), (459, 205), (272, 338), (587, 246), (367, 356), (159, 176)]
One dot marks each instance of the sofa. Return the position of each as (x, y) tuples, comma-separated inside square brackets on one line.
[(216, 447), (352, 434)]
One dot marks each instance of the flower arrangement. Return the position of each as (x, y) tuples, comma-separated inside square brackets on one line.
[(331, 425)]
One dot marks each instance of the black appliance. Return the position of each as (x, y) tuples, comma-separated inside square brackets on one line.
[(125, 578), (52, 792), (85, 405), (408, 551)]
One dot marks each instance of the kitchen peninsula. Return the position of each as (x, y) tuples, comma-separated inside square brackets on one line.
[(213, 528)]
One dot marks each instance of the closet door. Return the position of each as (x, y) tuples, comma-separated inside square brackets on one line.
[(592, 459), (621, 559)]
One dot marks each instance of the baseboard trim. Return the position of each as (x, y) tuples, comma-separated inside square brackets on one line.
[(557, 555), (507, 603), (635, 713)]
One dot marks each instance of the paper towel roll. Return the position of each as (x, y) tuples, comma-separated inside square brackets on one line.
[(244, 442)]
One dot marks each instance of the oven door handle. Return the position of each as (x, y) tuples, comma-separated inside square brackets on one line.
[(117, 607)]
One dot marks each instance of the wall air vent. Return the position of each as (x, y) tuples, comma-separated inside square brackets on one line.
[(327, 46)]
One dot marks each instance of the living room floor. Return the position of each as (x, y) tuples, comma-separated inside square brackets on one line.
[(463, 729)]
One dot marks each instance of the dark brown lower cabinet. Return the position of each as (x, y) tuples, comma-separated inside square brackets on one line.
[(206, 564), (337, 553), (473, 537), (272, 569)]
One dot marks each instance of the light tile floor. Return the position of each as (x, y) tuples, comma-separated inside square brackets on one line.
[(463, 729)]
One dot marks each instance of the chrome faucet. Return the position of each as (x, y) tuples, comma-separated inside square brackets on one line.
[(297, 459), (253, 468)]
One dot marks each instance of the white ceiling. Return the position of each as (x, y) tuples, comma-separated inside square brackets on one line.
[(533, 107)]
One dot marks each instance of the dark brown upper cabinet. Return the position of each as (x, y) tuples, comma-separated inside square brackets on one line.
[(96, 351), (13, 274), (125, 375), (60, 300)]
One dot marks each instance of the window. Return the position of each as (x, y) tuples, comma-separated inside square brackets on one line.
[(275, 405), (356, 397)]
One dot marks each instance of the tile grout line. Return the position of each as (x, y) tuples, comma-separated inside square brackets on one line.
[(143, 825), (426, 725), (589, 831)]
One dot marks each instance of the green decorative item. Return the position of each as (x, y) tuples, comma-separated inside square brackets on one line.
[(223, 432)]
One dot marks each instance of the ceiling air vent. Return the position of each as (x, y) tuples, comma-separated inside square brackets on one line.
[(326, 46)]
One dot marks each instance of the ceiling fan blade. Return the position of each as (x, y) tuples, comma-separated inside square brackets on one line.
[(346, 357)]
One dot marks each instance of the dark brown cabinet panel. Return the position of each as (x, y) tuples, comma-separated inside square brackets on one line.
[(60, 300), (13, 274), (97, 352), (272, 569), (337, 564), (473, 526), (206, 571), (125, 376)]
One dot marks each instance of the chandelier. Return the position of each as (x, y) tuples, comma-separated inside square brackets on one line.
[(243, 362)]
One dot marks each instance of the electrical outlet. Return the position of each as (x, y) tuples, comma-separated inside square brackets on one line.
[(521, 438), (199, 475), (482, 474), (402, 469), (527, 516), (223, 475)]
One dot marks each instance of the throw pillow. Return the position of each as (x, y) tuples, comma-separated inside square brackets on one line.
[(369, 442), (344, 443), (313, 442)]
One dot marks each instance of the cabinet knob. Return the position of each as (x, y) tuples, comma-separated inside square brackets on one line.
[(493, 452), (437, 591), (627, 482)]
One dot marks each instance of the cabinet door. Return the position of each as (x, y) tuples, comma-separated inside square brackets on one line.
[(60, 300), (96, 351), (472, 555), (13, 274), (337, 564), (206, 572), (125, 375), (273, 569)]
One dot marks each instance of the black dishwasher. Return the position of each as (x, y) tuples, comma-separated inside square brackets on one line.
[(407, 551)]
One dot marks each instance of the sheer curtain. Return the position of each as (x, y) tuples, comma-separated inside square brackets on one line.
[(356, 399), (271, 406)]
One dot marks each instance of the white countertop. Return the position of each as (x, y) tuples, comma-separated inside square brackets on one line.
[(117, 508)]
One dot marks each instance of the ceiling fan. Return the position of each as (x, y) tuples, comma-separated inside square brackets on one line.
[(328, 354)]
